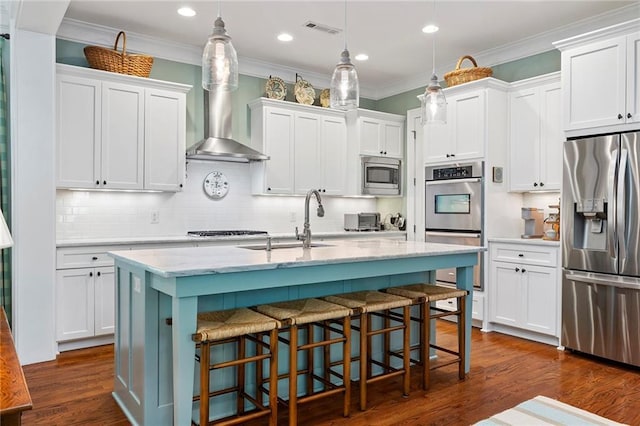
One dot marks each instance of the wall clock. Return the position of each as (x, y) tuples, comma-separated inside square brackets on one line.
[(215, 185)]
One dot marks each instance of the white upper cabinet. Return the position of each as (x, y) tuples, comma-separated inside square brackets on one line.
[(536, 136), (119, 132), (600, 80), (380, 134), (307, 146), (473, 114)]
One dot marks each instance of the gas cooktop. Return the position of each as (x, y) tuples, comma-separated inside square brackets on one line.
[(224, 233)]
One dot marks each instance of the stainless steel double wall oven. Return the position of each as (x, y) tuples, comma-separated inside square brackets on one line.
[(454, 206)]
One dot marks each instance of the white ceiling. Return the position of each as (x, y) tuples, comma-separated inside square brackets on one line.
[(388, 31)]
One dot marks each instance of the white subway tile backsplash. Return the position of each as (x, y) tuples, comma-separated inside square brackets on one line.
[(97, 214)]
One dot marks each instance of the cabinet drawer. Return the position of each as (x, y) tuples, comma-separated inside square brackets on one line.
[(524, 254), (83, 258)]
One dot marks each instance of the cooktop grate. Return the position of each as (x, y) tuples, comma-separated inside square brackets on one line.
[(225, 233)]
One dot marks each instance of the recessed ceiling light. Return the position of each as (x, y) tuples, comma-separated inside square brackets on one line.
[(362, 57), (186, 11), (285, 37), (431, 28)]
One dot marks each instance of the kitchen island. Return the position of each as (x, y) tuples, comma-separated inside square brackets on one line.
[(154, 361)]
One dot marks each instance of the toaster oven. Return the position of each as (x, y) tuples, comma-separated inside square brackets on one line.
[(362, 221)]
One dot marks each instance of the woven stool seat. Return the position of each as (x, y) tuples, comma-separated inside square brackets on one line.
[(303, 311), (369, 301), (220, 325), (424, 291)]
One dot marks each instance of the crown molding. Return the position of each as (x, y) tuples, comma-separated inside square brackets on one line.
[(82, 32)]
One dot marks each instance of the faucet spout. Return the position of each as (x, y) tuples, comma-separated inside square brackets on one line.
[(306, 234)]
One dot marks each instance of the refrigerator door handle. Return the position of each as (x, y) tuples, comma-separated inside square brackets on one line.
[(611, 225), (603, 279), (621, 208)]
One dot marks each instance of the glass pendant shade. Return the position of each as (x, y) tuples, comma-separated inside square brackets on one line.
[(219, 61), (345, 88), (434, 104)]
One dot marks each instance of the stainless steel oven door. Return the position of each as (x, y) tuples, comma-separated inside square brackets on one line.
[(454, 204), (448, 276)]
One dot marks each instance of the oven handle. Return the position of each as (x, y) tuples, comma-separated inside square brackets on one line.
[(450, 181), (453, 234)]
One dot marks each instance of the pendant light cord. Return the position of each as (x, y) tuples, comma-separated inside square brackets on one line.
[(434, 38), (219, 14), (345, 24)]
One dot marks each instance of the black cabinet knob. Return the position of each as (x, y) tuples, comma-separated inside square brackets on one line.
[(180, 185), (98, 273), (104, 182), (90, 274), (524, 270), (520, 255), (619, 116), (629, 115), (535, 183), (97, 182), (269, 189), (517, 269), (94, 258), (541, 184), (448, 155), (381, 152), (385, 153), (453, 155)]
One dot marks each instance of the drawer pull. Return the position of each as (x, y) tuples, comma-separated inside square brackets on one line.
[(524, 270), (99, 273), (90, 274), (94, 258), (520, 255), (517, 269)]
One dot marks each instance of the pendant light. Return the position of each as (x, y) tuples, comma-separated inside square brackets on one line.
[(345, 89), (219, 60), (434, 104)]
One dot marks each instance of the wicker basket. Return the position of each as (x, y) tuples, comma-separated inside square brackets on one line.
[(114, 61), (465, 75)]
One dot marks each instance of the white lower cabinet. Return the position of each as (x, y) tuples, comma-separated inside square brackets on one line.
[(524, 289), (84, 303)]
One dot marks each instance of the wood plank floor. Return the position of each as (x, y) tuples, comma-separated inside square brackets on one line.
[(76, 388)]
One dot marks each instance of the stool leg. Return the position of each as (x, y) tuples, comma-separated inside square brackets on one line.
[(386, 340), (346, 365), (406, 351), (293, 375), (204, 383), (462, 333), (310, 360), (427, 344), (364, 360), (424, 343), (326, 358), (273, 377), (241, 342)]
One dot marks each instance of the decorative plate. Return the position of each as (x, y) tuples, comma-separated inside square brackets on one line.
[(325, 98), (275, 88), (305, 94)]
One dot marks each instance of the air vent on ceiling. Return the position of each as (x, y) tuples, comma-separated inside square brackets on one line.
[(321, 27)]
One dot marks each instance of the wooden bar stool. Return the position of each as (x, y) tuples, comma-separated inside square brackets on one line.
[(238, 326), (425, 295), (367, 304), (299, 318)]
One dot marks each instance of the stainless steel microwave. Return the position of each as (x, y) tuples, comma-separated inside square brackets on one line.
[(381, 176)]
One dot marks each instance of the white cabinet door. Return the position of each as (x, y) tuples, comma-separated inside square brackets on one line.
[(393, 140), (370, 136), (506, 294), (438, 141), (104, 301), (279, 145), (539, 299), (164, 135), (307, 166), (633, 78), (524, 164), (468, 125), (551, 137), (78, 132), (333, 155), (595, 77), (74, 304), (122, 136)]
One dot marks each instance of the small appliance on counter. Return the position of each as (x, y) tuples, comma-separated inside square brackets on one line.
[(362, 221), (533, 222), (552, 224)]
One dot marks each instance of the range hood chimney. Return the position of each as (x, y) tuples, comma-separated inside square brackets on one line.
[(218, 143)]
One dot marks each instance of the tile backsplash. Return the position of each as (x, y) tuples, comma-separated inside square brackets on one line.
[(99, 214)]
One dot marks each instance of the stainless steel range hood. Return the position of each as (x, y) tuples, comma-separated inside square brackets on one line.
[(218, 144)]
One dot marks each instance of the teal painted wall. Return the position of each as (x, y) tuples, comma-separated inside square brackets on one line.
[(250, 88), (520, 69)]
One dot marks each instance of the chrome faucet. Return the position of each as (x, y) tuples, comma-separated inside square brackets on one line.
[(306, 233)]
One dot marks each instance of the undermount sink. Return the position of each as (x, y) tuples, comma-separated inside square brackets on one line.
[(276, 246)]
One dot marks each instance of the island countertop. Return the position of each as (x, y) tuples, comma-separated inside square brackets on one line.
[(189, 261)]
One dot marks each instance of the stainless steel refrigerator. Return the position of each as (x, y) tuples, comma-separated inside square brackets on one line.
[(600, 228)]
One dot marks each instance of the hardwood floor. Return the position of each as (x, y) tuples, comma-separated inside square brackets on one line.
[(76, 388)]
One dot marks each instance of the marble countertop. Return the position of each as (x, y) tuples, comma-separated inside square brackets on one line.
[(233, 239), (186, 261), (530, 241)]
